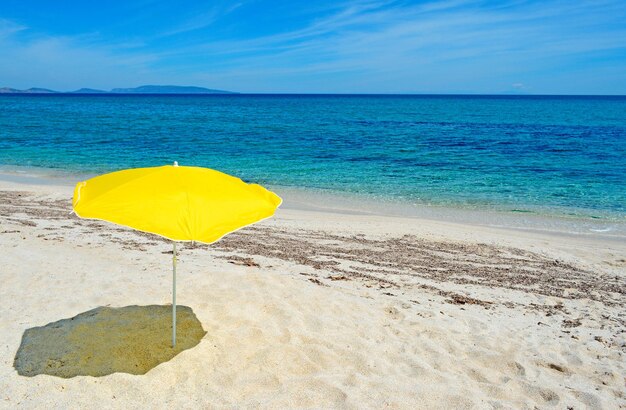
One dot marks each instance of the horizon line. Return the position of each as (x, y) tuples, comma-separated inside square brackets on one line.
[(236, 93)]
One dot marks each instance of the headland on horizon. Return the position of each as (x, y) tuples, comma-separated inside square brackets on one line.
[(144, 89)]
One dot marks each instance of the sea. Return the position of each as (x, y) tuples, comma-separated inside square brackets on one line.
[(525, 158)]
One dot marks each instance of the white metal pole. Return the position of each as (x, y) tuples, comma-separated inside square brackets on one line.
[(174, 296), (174, 289)]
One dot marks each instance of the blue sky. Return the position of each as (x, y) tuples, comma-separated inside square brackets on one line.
[(449, 46)]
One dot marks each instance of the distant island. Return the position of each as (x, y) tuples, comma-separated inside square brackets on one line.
[(7, 90), (144, 89)]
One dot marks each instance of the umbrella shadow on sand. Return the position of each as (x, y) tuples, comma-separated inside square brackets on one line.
[(130, 339)]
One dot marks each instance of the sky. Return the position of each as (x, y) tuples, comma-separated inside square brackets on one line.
[(261, 46)]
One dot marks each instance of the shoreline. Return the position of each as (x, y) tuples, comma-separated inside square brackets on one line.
[(316, 200), (597, 250)]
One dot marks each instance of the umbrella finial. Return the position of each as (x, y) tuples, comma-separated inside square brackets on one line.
[(175, 163)]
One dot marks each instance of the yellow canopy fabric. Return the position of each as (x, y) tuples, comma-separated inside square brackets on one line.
[(177, 202)]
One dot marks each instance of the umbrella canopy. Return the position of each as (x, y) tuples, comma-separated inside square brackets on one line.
[(176, 202)]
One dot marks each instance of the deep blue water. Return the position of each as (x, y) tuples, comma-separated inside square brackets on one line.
[(564, 155)]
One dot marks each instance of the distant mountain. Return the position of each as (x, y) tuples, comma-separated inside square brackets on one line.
[(89, 91), (7, 90), (168, 89), (144, 89)]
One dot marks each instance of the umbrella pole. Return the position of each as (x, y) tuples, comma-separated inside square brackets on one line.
[(174, 296)]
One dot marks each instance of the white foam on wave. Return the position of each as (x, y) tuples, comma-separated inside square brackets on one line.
[(609, 229)]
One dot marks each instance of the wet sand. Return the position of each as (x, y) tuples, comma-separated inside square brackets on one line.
[(320, 309)]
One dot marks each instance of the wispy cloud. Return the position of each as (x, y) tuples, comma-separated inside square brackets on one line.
[(411, 41), (369, 28), (65, 62), (201, 20), (352, 46), (8, 27)]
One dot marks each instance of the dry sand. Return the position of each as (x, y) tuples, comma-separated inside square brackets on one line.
[(323, 310)]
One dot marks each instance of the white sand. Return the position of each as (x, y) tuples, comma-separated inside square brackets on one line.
[(276, 339)]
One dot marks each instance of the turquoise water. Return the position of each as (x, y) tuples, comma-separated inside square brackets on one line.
[(558, 155)]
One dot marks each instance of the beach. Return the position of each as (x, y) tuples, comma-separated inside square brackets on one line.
[(313, 205), (320, 308)]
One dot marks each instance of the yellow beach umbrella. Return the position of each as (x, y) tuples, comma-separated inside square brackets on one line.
[(176, 202)]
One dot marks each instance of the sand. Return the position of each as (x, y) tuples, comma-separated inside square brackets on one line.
[(321, 310)]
